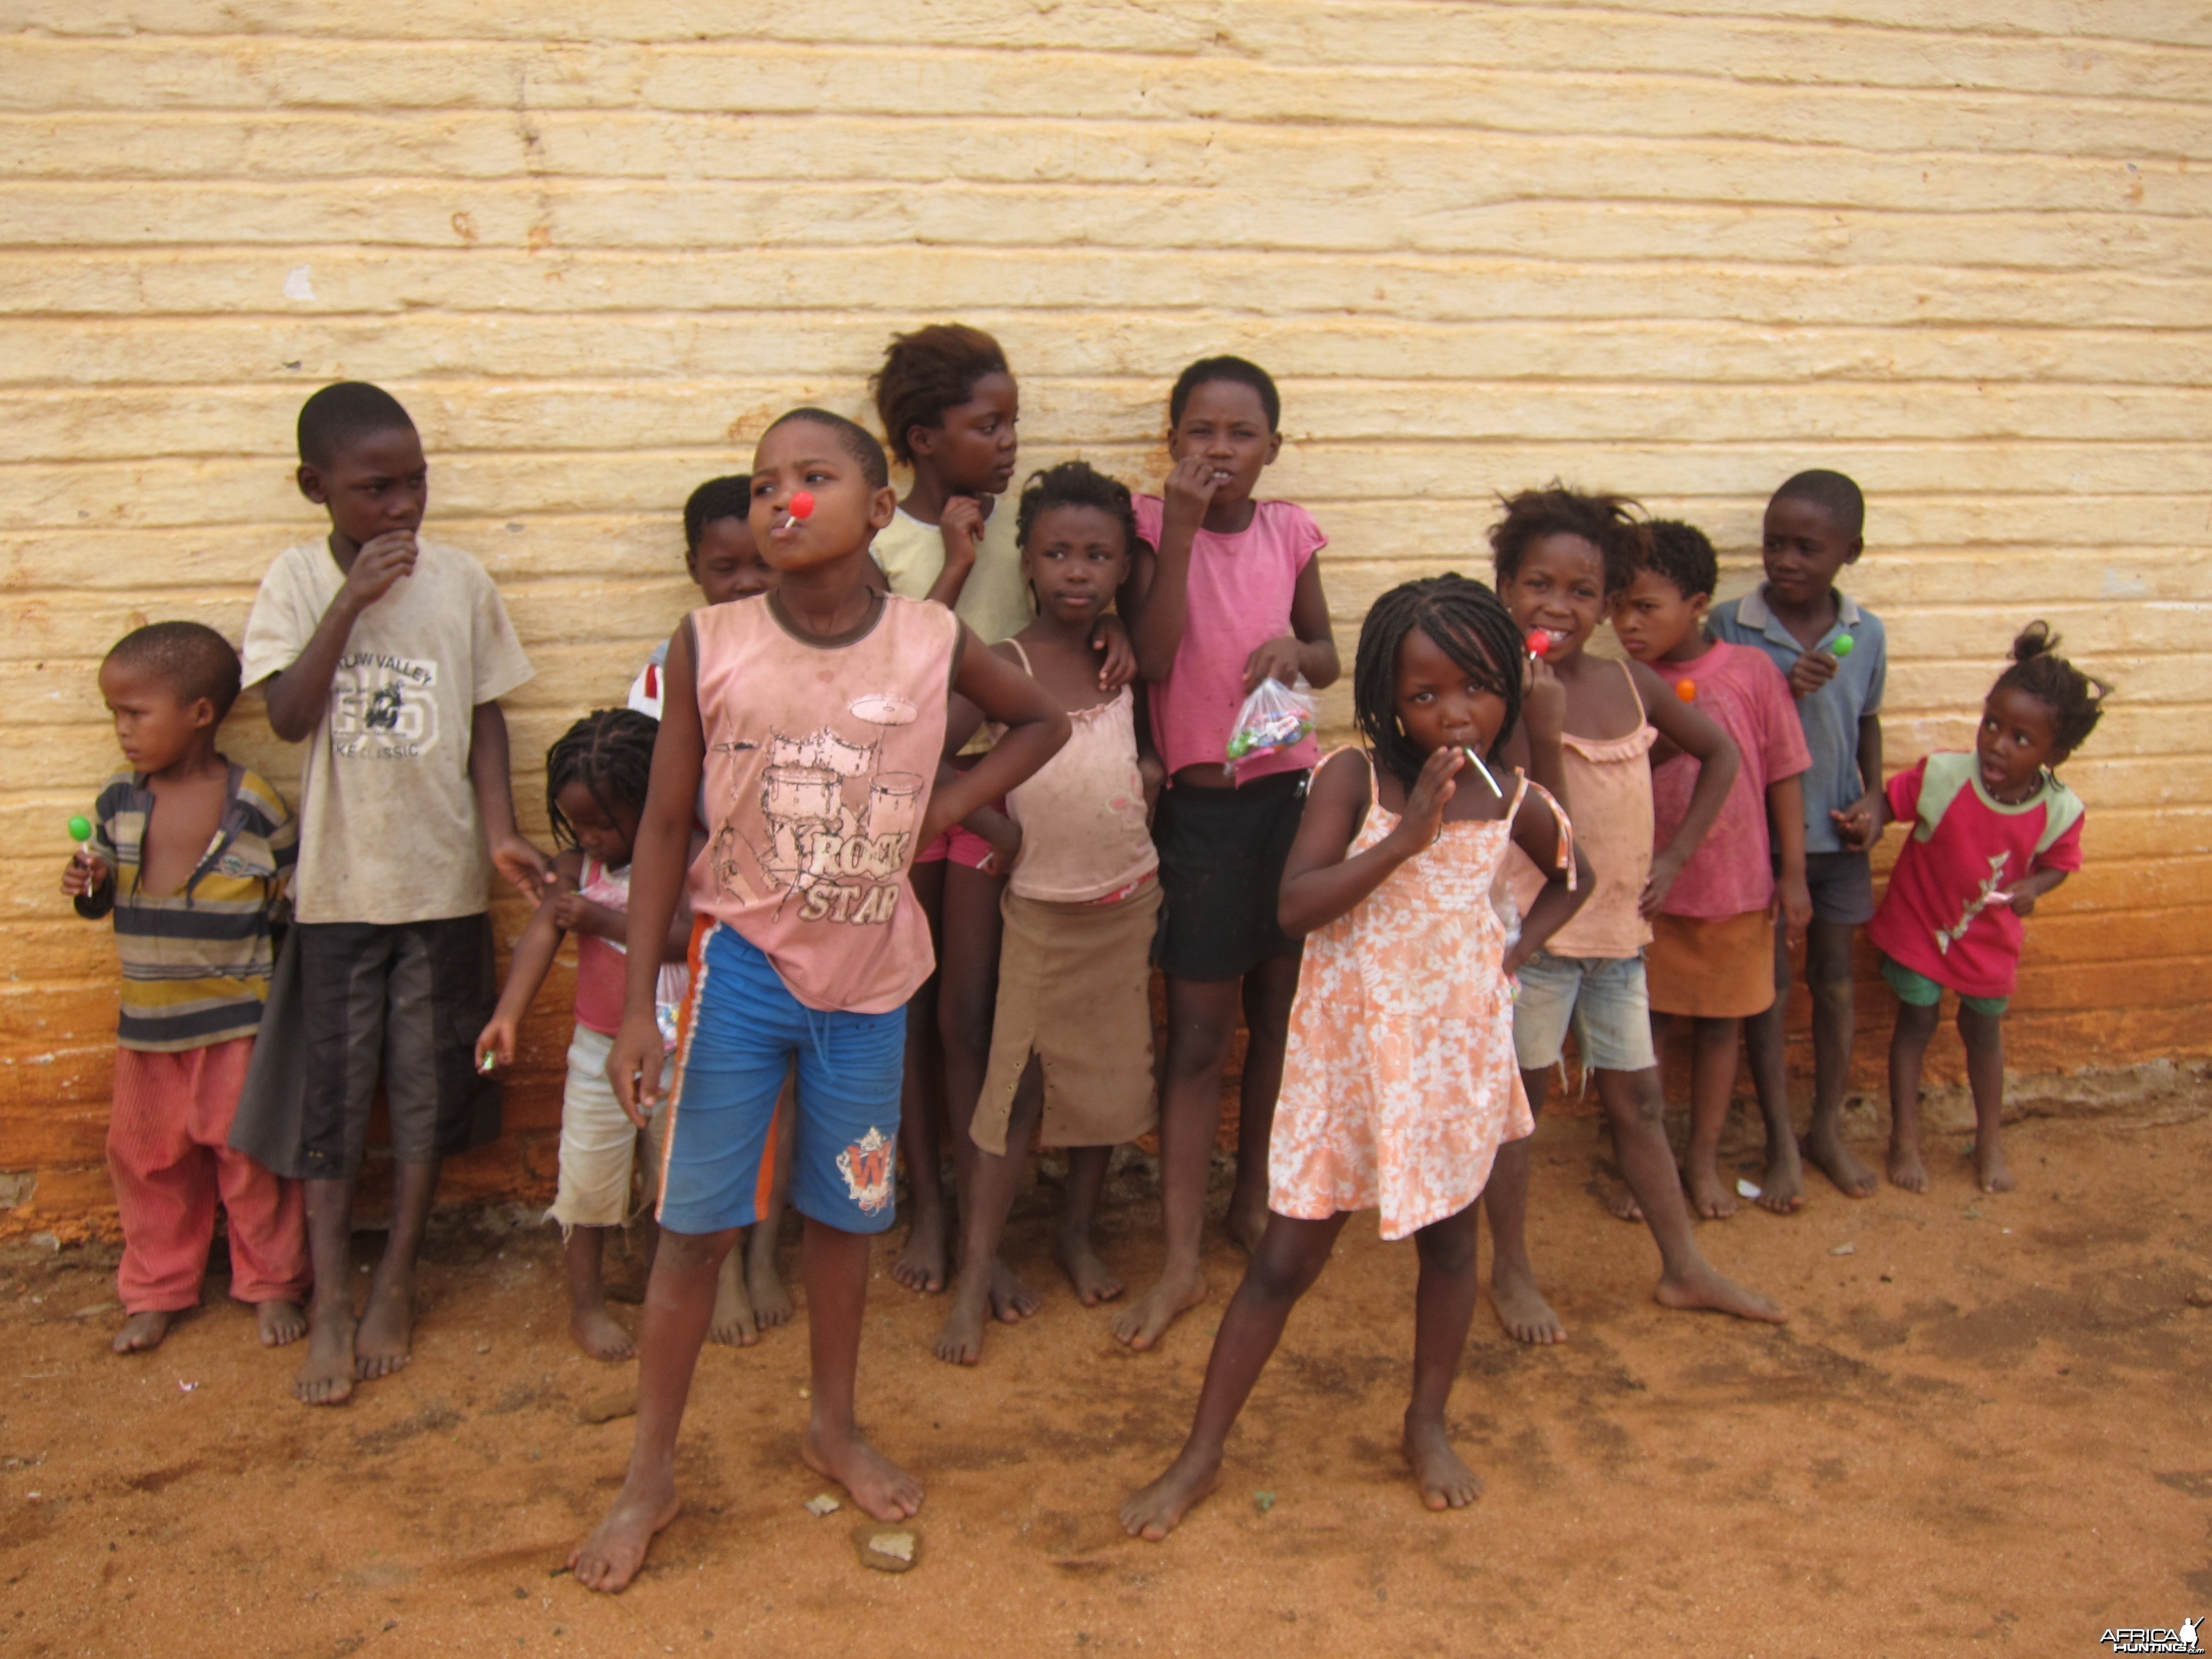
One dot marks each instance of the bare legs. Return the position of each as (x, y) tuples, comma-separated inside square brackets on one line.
[(595, 1330), (1520, 1306), (341, 1351), (1984, 1035), (1290, 1258), (968, 1005), (1636, 1113), (1828, 972), (992, 1179), (1201, 1022), (679, 1303), (749, 1294), (1093, 1281), (922, 1265), (1712, 1082)]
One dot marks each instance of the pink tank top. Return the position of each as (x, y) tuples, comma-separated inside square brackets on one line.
[(1082, 816), (1610, 796), (601, 963), (819, 762), (1240, 598)]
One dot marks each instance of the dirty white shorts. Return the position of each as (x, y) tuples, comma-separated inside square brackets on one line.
[(599, 1143)]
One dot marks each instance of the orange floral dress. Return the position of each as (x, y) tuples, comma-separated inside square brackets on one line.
[(1399, 1083)]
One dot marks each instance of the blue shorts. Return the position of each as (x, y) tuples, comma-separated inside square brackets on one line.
[(1602, 998), (742, 1029)]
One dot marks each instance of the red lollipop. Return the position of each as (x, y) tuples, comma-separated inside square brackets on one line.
[(1539, 643), (802, 504)]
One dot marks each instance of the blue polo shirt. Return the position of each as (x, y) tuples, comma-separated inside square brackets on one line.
[(1831, 715)]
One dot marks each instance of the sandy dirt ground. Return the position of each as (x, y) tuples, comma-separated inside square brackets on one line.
[(1987, 1429)]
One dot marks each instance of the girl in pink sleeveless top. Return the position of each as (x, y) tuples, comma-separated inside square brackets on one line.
[(1071, 1058), (1560, 557), (1399, 1085), (815, 715), (1226, 593), (595, 790)]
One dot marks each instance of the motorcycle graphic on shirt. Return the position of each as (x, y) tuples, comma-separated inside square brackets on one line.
[(383, 706), (839, 831)]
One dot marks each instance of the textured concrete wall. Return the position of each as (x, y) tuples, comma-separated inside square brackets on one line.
[(1677, 247)]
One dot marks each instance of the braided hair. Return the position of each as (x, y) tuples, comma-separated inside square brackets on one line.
[(1076, 484), (2075, 700), (609, 752), (1469, 623)]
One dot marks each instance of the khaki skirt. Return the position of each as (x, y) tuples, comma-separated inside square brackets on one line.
[(1711, 966), (1074, 989)]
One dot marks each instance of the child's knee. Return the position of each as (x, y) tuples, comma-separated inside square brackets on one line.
[(1447, 1247), (1984, 1033)]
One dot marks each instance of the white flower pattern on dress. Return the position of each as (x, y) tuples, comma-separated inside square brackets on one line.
[(1399, 1081)]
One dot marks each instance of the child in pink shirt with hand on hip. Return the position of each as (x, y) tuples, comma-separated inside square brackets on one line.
[(1993, 830)]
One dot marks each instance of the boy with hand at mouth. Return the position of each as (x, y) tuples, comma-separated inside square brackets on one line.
[(1834, 653), (388, 654)]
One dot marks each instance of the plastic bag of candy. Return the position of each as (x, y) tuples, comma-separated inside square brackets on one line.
[(1273, 717)]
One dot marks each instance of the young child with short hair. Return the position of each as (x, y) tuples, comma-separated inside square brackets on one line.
[(595, 787), (1399, 1085), (386, 652), (1561, 555), (1834, 653), (1072, 1038), (1710, 960), (721, 558), (192, 887), (1226, 592), (815, 713), (1993, 831)]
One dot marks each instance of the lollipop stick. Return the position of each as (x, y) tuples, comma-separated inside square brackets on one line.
[(1484, 770)]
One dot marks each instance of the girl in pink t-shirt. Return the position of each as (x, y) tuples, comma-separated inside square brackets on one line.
[(1226, 593), (1993, 832), (1711, 957)]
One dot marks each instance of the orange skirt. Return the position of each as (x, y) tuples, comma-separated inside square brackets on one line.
[(1711, 966)]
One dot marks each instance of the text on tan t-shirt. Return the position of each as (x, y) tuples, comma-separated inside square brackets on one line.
[(389, 831)]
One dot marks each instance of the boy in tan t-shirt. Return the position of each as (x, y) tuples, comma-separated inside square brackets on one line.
[(388, 654)]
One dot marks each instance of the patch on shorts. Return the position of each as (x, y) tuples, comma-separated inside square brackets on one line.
[(866, 1166)]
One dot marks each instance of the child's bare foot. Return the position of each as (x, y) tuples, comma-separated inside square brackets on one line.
[(1990, 1169), (142, 1332), (1247, 1221), (1521, 1309), (1824, 1147), (597, 1335), (1093, 1282), (1710, 1196), (611, 1557), (325, 1375), (1144, 1321), (960, 1339), (1446, 1483), (1701, 1287), (922, 1265), (1156, 1511), (1620, 1204), (382, 1344), (1011, 1301), (764, 1290), (1906, 1169), (876, 1484), (1782, 1188), (280, 1322), (733, 1323)]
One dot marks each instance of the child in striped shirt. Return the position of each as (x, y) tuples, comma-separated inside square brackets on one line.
[(190, 852)]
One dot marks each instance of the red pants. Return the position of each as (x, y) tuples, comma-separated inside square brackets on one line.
[(167, 1151)]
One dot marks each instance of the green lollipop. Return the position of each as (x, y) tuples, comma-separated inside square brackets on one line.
[(80, 828), (1842, 647)]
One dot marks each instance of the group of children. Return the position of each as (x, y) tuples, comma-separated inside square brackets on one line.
[(877, 863)]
